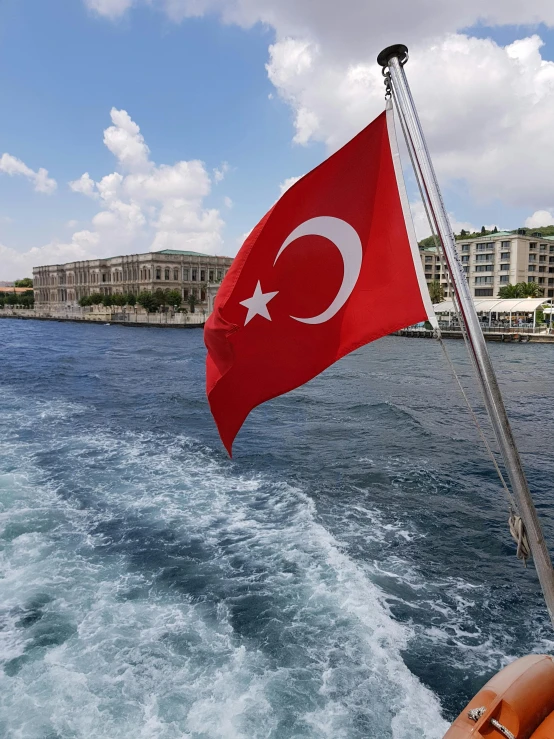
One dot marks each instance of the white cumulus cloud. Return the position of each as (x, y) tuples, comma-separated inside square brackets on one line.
[(490, 126), (84, 185), (220, 172), (350, 29), (109, 8), (421, 224), (286, 184), (488, 110), (126, 142), (143, 206), (13, 166), (540, 218), (149, 205)]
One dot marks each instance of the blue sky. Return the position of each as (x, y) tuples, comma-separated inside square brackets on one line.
[(199, 90)]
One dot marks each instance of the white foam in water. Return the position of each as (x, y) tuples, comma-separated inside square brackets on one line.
[(96, 644)]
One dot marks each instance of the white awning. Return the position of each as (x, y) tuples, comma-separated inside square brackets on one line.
[(496, 305)]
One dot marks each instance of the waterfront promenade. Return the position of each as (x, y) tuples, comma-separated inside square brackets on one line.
[(106, 315), (538, 335)]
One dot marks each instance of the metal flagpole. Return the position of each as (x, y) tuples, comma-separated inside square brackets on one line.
[(394, 58)]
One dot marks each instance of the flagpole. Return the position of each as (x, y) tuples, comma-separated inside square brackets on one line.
[(394, 58)]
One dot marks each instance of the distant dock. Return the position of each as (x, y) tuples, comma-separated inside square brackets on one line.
[(523, 336)]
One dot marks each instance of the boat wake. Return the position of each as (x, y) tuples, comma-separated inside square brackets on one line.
[(148, 589)]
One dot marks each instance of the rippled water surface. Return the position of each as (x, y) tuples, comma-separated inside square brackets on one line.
[(348, 575)]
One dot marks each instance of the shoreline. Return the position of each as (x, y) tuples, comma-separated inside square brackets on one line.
[(130, 324), (503, 337), (507, 337)]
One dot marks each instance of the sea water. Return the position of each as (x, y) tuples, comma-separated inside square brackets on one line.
[(349, 574)]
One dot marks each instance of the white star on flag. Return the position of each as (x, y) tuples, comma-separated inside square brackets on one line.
[(257, 304)]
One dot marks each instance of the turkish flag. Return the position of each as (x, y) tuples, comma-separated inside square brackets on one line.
[(331, 267)]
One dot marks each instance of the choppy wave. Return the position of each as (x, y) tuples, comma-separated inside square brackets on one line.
[(149, 590), (322, 585)]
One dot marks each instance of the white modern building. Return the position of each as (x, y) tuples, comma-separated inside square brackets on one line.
[(496, 260)]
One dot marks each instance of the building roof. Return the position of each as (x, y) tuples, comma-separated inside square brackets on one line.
[(487, 237), (185, 253), (497, 305), (16, 290), (529, 234)]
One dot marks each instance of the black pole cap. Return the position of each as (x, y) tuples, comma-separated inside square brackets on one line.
[(398, 50)]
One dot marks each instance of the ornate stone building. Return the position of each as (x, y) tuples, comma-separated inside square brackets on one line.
[(62, 285)]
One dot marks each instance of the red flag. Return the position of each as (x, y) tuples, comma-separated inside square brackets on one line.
[(332, 266)]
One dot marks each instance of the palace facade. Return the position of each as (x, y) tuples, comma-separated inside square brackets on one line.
[(62, 285)]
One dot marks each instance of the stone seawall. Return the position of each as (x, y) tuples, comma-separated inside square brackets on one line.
[(139, 319)]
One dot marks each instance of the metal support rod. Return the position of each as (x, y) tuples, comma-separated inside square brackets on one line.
[(394, 57)]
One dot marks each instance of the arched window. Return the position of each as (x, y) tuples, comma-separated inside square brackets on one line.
[(158, 273), (167, 273), (175, 274)]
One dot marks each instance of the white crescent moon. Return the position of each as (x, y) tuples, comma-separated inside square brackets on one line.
[(347, 241)]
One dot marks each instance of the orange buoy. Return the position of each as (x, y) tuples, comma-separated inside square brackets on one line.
[(546, 729), (513, 704)]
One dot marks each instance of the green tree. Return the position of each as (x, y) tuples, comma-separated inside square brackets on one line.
[(436, 292), (107, 300), (521, 290), (131, 299), (161, 297), (96, 298), (508, 291), (427, 242), (495, 230), (463, 233), (28, 299), (85, 300), (25, 282), (192, 301), (483, 230), (173, 297), (119, 299), (147, 301), (531, 290)]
